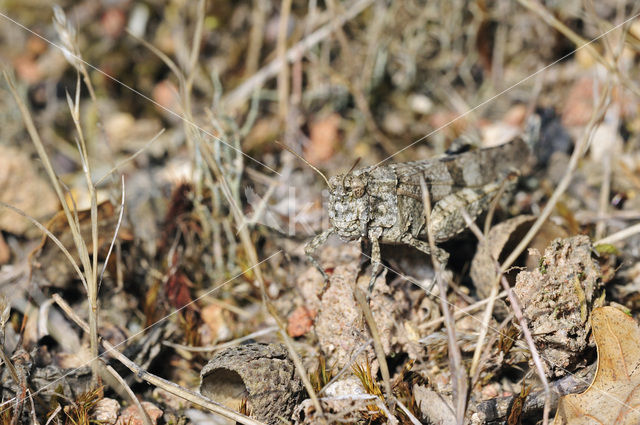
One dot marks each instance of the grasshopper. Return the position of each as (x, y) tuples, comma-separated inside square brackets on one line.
[(384, 203)]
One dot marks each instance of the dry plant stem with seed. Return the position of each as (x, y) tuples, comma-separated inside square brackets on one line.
[(168, 386)]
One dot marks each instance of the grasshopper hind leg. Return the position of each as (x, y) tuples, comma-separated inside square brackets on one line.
[(441, 255)]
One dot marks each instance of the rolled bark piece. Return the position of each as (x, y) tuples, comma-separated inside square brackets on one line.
[(261, 374)]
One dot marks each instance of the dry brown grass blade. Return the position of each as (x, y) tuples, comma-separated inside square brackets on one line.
[(134, 400)]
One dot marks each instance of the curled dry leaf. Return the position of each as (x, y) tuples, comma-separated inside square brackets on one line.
[(613, 396), (483, 270), (501, 239)]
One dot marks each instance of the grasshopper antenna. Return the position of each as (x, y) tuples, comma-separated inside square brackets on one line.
[(306, 162), (353, 167)]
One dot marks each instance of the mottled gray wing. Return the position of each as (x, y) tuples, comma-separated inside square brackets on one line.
[(469, 169)]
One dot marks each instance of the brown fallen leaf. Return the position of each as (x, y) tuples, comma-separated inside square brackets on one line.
[(614, 396), (324, 134), (25, 189)]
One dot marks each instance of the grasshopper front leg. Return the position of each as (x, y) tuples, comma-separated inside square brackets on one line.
[(311, 247)]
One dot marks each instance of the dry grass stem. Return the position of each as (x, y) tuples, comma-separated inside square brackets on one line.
[(281, 48), (580, 42), (460, 384), (132, 397), (377, 343)]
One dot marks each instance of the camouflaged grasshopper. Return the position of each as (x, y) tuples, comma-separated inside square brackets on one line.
[(384, 203)]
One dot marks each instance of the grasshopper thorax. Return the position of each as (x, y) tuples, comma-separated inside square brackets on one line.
[(349, 205)]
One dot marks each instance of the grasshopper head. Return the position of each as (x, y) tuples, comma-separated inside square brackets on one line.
[(349, 205)]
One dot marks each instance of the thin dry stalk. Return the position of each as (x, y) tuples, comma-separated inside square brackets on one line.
[(459, 312), (619, 236), (377, 342), (134, 400), (51, 236), (494, 204), (258, 21), (605, 189), (129, 158), (406, 411), (349, 365), (281, 48), (7, 361), (460, 384), (517, 310), (486, 318), (168, 386), (218, 347), (92, 279), (497, 332)]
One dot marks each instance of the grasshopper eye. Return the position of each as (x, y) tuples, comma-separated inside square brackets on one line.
[(357, 187)]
